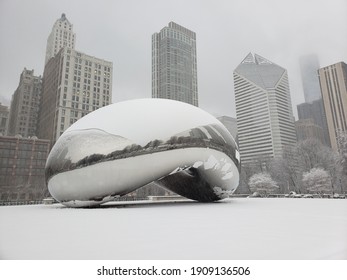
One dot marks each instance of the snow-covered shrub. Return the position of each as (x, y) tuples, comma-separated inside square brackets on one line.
[(262, 183), (317, 180)]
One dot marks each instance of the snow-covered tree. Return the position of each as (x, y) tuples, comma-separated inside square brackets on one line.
[(287, 171), (262, 183), (306, 155), (284, 170), (317, 180), (342, 144)]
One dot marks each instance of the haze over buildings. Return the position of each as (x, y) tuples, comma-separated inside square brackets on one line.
[(309, 65), (174, 64), (120, 31), (264, 115)]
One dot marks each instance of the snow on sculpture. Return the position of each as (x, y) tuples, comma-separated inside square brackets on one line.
[(124, 146)]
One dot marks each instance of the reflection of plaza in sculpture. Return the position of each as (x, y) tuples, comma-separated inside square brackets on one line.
[(124, 146)]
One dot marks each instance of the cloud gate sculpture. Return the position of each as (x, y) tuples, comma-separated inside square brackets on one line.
[(124, 146)]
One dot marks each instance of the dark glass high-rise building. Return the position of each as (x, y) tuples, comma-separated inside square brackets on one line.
[(313, 108), (174, 66), (25, 105), (315, 111)]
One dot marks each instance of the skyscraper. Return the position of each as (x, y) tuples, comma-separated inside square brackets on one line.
[(174, 66), (333, 83), (264, 114), (309, 65), (25, 105), (313, 108), (315, 112), (306, 129), (74, 85), (61, 36)]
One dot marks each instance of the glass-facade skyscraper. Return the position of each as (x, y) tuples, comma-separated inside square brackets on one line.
[(174, 66), (313, 107), (265, 122)]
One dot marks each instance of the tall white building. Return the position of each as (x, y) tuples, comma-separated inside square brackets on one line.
[(61, 36), (74, 84), (264, 114), (174, 65)]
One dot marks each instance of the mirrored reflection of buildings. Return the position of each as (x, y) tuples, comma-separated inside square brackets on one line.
[(74, 83), (265, 121), (211, 136), (333, 83), (4, 115), (231, 125), (313, 108), (22, 168), (174, 64)]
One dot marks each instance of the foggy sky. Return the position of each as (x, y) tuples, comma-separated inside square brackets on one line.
[(227, 30)]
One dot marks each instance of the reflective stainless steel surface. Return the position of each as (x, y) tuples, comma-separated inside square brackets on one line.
[(124, 146)]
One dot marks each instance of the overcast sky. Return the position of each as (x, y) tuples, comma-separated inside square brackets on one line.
[(120, 31)]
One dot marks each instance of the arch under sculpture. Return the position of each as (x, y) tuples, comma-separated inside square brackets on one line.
[(124, 146)]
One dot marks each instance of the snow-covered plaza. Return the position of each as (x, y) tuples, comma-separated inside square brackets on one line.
[(238, 228)]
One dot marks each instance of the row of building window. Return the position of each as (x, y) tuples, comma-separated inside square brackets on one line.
[(89, 64)]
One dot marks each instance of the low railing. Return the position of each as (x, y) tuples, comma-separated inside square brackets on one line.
[(172, 197), (20, 202)]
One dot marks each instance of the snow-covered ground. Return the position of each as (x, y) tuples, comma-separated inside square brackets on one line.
[(231, 229)]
